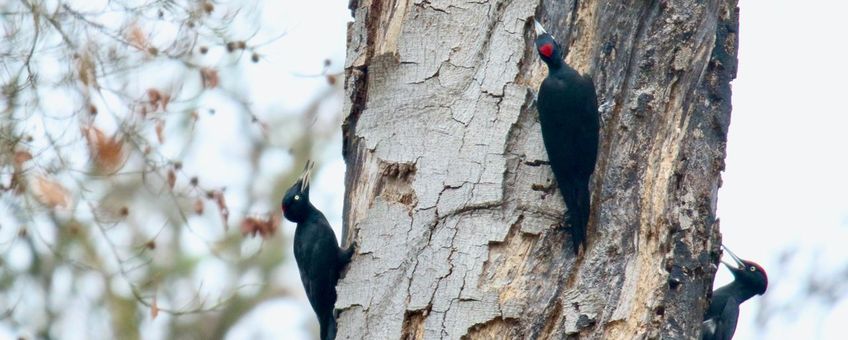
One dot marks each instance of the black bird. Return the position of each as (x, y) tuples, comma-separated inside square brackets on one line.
[(720, 318), (568, 113), (316, 251)]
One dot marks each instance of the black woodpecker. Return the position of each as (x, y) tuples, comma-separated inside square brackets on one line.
[(568, 113), (316, 251), (720, 319)]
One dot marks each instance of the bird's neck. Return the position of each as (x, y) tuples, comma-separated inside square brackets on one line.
[(741, 291), (312, 214), (562, 71), (303, 215), (555, 65)]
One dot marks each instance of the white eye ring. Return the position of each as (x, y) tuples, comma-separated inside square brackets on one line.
[(297, 197), (753, 269)]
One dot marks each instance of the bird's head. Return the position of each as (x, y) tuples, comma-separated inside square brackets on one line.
[(296, 200), (548, 48), (752, 275)]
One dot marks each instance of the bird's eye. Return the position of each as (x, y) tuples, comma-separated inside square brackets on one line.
[(753, 269), (297, 197)]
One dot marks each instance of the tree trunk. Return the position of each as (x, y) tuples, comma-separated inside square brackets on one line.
[(449, 193)]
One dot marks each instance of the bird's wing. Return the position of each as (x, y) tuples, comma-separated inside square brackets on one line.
[(318, 265), (320, 282), (573, 123), (591, 130), (720, 319), (729, 315), (311, 287)]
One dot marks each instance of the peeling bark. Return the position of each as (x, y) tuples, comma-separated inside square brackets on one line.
[(450, 196)]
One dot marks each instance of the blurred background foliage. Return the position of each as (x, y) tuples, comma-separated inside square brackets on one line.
[(140, 175)]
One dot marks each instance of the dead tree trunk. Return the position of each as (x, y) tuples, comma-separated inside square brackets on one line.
[(450, 196)]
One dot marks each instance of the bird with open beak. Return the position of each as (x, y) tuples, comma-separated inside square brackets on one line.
[(319, 258), (720, 318)]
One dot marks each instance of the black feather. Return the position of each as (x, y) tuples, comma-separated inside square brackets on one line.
[(568, 114), (317, 253), (721, 316)]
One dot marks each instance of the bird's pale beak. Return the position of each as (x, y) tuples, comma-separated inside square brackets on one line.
[(539, 29), (739, 263), (305, 177)]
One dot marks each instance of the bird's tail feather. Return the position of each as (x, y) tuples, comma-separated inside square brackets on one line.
[(576, 197), (328, 327)]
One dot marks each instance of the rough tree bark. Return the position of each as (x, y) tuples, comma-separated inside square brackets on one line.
[(450, 196)]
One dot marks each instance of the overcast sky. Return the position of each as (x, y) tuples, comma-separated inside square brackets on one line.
[(785, 183)]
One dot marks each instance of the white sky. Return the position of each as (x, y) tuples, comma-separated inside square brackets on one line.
[(785, 184)]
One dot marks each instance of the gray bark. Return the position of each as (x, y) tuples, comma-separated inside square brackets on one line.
[(450, 197)]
